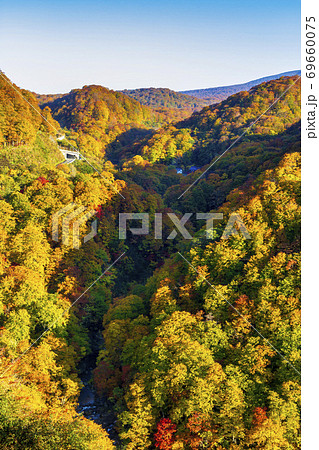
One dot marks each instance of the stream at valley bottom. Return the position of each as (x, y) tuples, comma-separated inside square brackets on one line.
[(91, 405)]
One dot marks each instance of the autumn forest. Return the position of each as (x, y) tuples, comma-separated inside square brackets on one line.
[(145, 342)]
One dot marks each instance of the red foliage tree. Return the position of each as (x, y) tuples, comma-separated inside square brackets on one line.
[(164, 438), (42, 180), (99, 212), (259, 416)]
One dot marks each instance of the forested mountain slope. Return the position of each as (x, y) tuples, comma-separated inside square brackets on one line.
[(38, 391), (27, 133), (179, 366), (185, 368), (97, 106), (205, 134), (96, 116), (20, 118)]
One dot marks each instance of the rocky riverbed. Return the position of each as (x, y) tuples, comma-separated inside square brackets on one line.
[(91, 405)]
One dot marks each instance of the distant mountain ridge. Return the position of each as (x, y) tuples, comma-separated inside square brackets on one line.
[(164, 97), (218, 94)]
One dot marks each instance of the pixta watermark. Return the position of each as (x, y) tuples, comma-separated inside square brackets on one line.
[(73, 215), (235, 225)]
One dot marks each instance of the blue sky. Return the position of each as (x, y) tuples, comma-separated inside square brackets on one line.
[(55, 46)]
